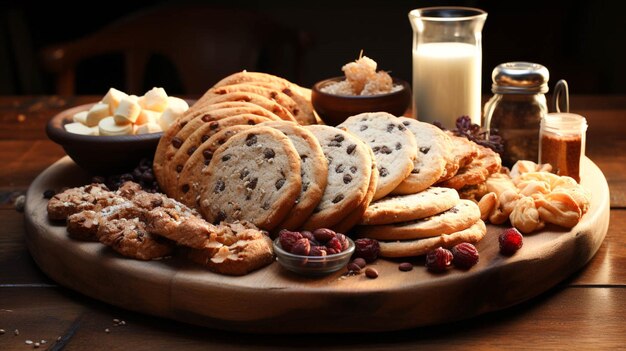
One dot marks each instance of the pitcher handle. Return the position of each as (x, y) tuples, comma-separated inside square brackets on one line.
[(561, 89)]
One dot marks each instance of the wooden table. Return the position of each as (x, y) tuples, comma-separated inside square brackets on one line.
[(586, 311)]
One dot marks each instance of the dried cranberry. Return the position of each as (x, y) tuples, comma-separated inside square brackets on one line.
[(318, 251), (438, 260), (301, 247), (511, 240), (353, 267), (323, 234), (288, 238), (368, 249), (334, 243), (307, 234), (360, 262), (464, 255), (331, 251), (344, 241), (405, 266)]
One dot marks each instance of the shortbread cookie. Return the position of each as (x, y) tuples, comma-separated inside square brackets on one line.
[(313, 170), (433, 151), (349, 174), (130, 238), (191, 143), (254, 176), (420, 247), (487, 162), (393, 145), (402, 208), (187, 189), (463, 152), (459, 217), (356, 215), (89, 197), (269, 92)]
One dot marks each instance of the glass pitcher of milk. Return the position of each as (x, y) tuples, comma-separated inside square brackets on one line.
[(447, 59)]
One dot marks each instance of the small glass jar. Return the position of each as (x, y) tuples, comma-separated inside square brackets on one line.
[(516, 109), (563, 137)]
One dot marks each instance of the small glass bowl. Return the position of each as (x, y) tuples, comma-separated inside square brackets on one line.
[(313, 265)]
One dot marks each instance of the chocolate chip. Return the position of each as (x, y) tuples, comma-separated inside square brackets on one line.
[(265, 206), (221, 215), (454, 210), (207, 118), (351, 148), (177, 142), (383, 149), (363, 127), (269, 153), (191, 150), (347, 178), (251, 122), (251, 139), (390, 127), (204, 138), (287, 92), (406, 123), (338, 138), (340, 167), (376, 149), (183, 124), (398, 146), (303, 158), (179, 168), (401, 127), (219, 186), (185, 188), (383, 172), (243, 173), (424, 150), (226, 158), (353, 169), (214, 125), (295, 111), (305, 186), (49, 194), (415, 171), (279, 183), (338, 198), (252, 184), (221, 141), (208, 154)]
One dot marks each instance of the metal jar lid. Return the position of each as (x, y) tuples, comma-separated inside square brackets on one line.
[(520, 78)]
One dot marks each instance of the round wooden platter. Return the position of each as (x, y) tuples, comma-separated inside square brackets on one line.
[(274, 300)]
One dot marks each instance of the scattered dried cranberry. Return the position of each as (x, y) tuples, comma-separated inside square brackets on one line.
[(323, 235), (368, 249), (371, 273), (464, 255), (438, 260), (511, 240), (288, 238), (405, 266), (360, 262), (302, 247), (353, 267)]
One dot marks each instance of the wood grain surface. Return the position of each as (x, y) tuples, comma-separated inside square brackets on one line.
[(583, 312)]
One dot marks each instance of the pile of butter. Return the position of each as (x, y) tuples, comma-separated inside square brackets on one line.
[(121, 114)]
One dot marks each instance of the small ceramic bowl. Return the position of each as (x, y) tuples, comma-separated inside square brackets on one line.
[(334, 109), (101, 155), (313, 265)]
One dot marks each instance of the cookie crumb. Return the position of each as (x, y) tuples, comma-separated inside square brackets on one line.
[(16, 332)]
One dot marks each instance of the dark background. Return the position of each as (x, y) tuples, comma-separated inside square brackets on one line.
[(580, 41)]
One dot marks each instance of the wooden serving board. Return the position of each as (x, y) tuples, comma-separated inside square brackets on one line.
[(276, 301)]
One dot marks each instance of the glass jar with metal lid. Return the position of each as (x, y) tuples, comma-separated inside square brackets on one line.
[(517, 107)]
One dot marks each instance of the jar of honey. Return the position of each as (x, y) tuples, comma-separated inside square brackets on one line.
[(562, 143)]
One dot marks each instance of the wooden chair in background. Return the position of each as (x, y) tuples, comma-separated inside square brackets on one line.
[(204, 44)]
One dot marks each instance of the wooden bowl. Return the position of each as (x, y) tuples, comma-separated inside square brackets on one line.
[(334, 109), (101, 155)]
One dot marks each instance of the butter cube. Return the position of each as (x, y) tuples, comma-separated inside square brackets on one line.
[(147, 116), (148, 128), (155, 100), (170, 115), (79, 128), (107, 126), (128, 111), (80, 117), (180, 103), (96, 113), (113, 98)]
